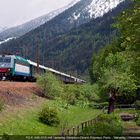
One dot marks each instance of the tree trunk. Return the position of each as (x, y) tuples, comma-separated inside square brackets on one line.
[(112, 100)]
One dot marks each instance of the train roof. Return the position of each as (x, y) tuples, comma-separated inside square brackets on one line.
[(55, 71), (21, 59), (13, 56)]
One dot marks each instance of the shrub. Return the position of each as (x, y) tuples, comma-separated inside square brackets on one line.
[(1, 105), (138, 118), (60, 104), (90, 92), (51, 85), (138, 121), (98, 105), (81, 92), (106, 125), (49, 116), (69, 97), (137, 104), (82, 103)]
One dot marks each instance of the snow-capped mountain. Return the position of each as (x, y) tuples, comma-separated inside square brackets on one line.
[(89, 9), (28, 26), (80, 11), (98, 8), (2, 29), (6, 40), (73, 15)]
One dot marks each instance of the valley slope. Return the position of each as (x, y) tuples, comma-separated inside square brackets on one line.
[(65, 45)]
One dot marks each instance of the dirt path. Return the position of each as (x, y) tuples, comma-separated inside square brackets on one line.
[(18, 93), (131, 129)]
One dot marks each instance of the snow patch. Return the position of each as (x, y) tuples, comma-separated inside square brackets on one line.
[(76, 16), (98, 8), (6, 40)]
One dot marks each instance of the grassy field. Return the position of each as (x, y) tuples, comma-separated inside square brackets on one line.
[(24, 120)]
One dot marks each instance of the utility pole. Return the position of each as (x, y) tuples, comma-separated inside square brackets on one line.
[(37, 59), (37, 54)]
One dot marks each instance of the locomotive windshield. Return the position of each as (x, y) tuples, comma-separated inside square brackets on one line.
[(5, 62)]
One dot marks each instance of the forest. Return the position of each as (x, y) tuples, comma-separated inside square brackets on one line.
[(65, 48)]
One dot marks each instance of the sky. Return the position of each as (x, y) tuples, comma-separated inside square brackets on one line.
[(16, 12)]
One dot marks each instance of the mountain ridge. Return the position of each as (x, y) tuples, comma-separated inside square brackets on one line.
[(66, 48), (90, 9), (26, 27)]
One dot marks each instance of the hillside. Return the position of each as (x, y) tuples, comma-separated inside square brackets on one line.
[(20, 106), (74, 14), (18, 93), (62, 49), (24, 28)]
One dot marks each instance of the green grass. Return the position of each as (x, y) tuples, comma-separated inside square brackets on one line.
[(131, 111), (24, 121)]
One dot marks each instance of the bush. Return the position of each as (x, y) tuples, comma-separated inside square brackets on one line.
[(82, 103), (81, 92), (60, 104), (98, 105), (106, 125), (138, 121), (91, 92), (137, 104), (1, 105), (49, 116), (69, 97), (138, 118), (51, 85)]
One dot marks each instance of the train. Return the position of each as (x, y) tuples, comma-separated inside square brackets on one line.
[(13, 67)]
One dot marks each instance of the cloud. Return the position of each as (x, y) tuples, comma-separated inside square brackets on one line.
[(14, 12)]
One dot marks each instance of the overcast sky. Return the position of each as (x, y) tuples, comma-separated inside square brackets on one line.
[(15, 12)]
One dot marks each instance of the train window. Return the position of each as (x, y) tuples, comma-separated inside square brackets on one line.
[(21, 62), (1, 60), (7, 60)]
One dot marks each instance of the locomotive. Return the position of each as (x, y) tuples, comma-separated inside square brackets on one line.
[(13, 67)]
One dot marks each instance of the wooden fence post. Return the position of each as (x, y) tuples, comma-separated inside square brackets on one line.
[(73, 131), (63, 133), (82, 126), (77, 129), (90, 122), (85, 124), (68, 132)]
